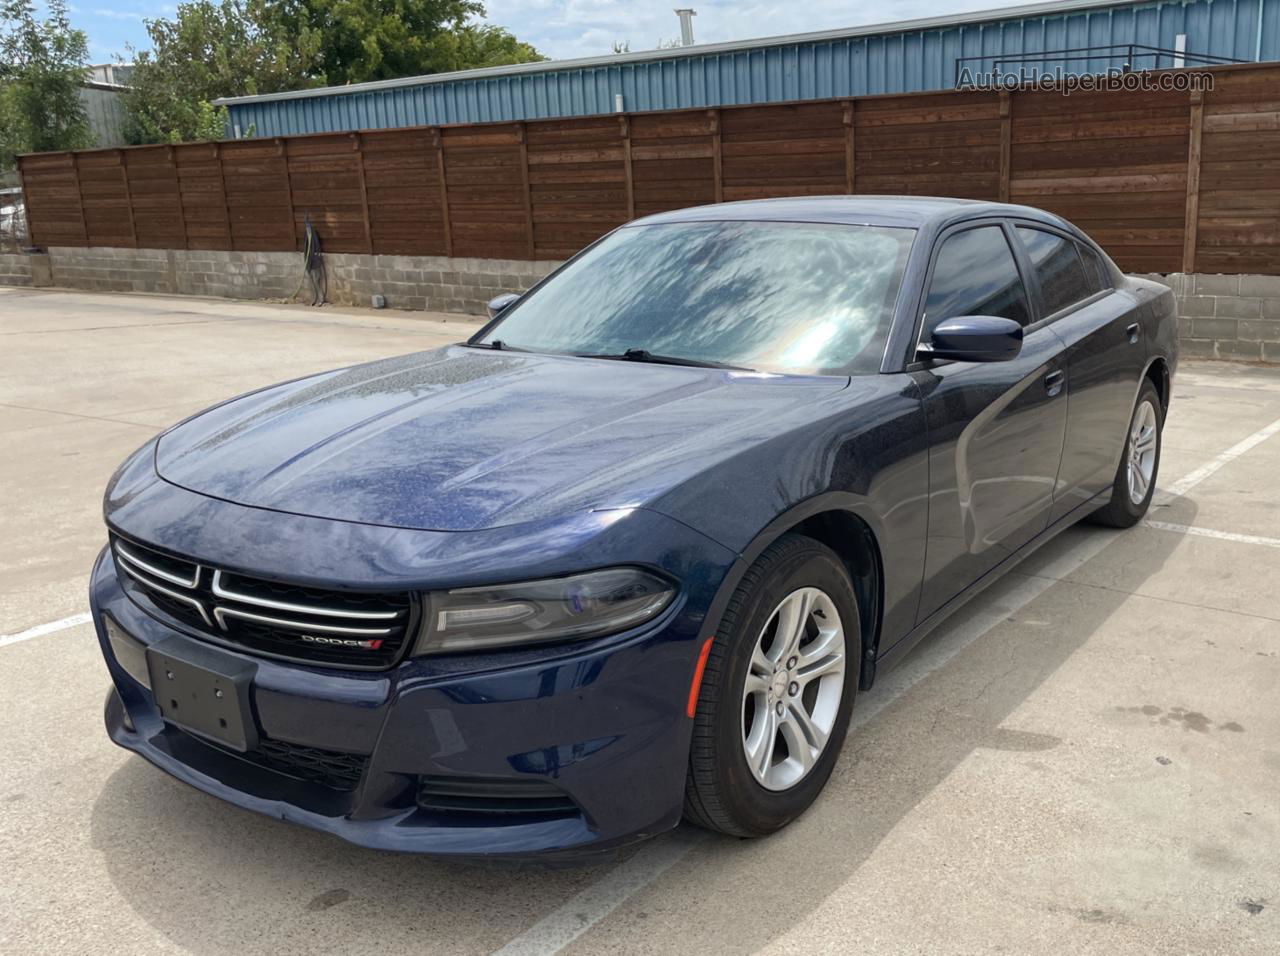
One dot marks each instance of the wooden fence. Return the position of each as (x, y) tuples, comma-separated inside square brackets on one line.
[(1165, 181)]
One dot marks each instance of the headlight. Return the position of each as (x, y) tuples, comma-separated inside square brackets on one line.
[(536, 612)]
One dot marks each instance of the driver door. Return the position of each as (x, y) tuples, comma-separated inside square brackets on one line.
[(996, 429)]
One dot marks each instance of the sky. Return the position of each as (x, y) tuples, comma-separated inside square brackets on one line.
[(563, 29)]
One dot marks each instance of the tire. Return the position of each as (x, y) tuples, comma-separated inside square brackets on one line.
[(722, 791), (1147, 418)]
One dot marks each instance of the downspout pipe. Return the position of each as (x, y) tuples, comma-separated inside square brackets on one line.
[(1257, 51)]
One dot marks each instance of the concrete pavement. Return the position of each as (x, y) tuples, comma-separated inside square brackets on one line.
[(1087, 759)]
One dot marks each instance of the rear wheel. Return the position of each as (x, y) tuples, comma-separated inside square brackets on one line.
[(1135, 481), (776, 693)]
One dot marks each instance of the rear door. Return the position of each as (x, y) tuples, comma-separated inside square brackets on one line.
[(995, 428), (1105, 357)]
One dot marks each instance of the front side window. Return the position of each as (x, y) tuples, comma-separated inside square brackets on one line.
[(975, 274), (1058, 267), (773, 296)]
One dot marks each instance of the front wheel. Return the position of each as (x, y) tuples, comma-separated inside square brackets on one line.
[(1135, 480), (776, 693)]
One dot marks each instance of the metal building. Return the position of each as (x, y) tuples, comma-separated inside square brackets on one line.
[(105, 112), (903, 57)]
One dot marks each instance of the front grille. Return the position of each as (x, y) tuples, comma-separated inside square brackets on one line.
[(315, 625), (502, 795)]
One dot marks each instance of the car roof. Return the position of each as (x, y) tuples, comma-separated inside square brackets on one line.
[(903, 211)]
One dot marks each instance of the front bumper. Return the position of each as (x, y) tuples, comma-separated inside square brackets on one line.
[(606, 726)]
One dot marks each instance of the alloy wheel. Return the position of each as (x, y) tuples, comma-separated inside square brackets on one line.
[(793, 687), (1142, 452)]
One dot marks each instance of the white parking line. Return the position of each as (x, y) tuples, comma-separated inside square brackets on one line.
[(562, 926), (1183, 485), (40, 630), (1211, 533), (1217, 379)]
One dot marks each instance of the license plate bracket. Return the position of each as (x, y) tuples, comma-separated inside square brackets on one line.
[(203, 691)]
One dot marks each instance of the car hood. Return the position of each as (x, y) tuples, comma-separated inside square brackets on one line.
[(464, 439)]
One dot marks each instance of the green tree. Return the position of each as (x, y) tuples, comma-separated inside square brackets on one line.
[(475, 45), (42, 65), (209, 50), (385, 39), (217, 48)]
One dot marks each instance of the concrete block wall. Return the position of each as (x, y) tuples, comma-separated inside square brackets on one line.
[(432, 283), (15, 269), (1224, 317), (108, 269), (1228, 317), (235, 275)]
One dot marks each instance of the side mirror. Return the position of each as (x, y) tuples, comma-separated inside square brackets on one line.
[(500, 302), (975, 338)]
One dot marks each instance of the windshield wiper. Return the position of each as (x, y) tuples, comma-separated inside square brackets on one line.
[(496, 345), (643, 355)]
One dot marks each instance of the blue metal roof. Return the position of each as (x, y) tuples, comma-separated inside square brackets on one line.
[(891, 58)]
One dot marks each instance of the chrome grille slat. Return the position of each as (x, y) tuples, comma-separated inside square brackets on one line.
[(123, 553), (220, 612), (220, 590), (269, 617), (184, 598)]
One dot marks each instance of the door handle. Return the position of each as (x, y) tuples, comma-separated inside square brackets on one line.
[(1053, 381), (1133, 332)]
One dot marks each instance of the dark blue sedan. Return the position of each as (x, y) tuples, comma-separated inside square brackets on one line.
[(629, 554)]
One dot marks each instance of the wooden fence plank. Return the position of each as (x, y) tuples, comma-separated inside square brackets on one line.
[(1165, 182), (717, 155), (226, 205), (850, 176), (84, 227), (1006, 142), (437, 143), (1193, 183), (128, 199), (288, 189), (182, 214), (625, 127), (524, 188), (364, 193)]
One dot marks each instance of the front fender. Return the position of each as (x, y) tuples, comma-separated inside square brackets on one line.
[(790, 519), (863, 453)]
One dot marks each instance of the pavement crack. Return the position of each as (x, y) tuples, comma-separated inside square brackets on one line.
[(136, 325), (77, 415)]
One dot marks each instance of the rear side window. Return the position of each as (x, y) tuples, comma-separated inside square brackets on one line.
[(1094, 263), (1063, 282), (975, 274)]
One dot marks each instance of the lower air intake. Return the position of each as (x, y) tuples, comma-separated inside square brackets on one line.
[(493, 795), (339, 771)]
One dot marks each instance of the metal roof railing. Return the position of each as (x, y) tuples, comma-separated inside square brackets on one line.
[(1128, 52), (1055, 8)]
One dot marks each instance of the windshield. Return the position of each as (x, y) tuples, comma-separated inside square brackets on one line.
[(779, 297)]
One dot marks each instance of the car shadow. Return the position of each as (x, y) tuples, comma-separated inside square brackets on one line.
[(959, 705), (210, 876)]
